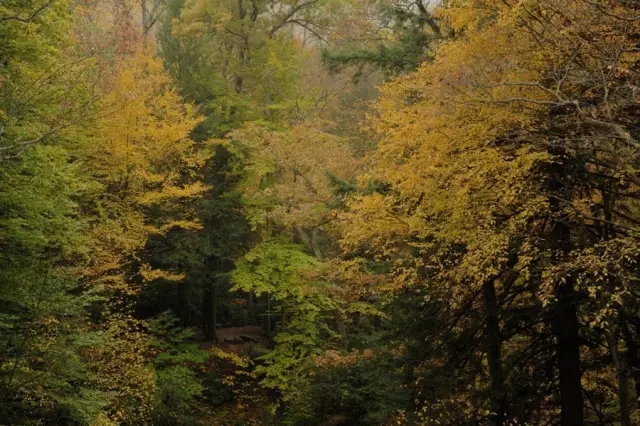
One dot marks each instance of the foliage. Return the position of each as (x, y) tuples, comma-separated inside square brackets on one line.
[(178, 388), (235, 59), (42, 324), (288, 181), (225, 232), (358, 390), (494, 192), (143, 159), (277, 268), (44, 374), (406, 35)]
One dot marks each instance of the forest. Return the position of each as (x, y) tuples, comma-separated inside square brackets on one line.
[(319, 212)]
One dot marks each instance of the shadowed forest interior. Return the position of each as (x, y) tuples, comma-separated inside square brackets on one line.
[(319, 212)]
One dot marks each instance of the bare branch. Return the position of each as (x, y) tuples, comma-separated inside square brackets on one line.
[(308, 28), (618, 129), (286, 19), (531, 101), (30, 18), (530, 84), (612, 15)]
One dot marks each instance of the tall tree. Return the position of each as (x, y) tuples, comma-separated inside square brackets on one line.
[(488, 154)]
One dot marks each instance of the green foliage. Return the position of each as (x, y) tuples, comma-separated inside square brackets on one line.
[(43, 91), (413, 30), (235, 61), (468, 256), (44, 376), (273, 267), (178, 388), (277, 268), (366, 392), (42, 323)]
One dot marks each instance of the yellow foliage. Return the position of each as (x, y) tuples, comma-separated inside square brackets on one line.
[(122, 365), (141, 154), (459, 139), (520, 126), (288, 172), (233, 358)]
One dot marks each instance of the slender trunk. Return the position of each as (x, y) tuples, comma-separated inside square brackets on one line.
[(182, 303), (239, 83), (251, 308), (207, 313), (565, 324), (209, 310), (268, 315), (283, 316), (302, 234), (566, 329), (214, 311), (632, 355), (340, 326), (145, 19), (315, 244), (623, 383), (494, 359)]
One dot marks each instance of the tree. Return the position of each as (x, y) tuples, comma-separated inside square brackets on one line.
[(39, 94), (144, 160), (404, 35), (481, 152), (43, 321), (236, 59)]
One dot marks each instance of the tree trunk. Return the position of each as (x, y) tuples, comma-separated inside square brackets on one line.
[(145, 19), (340, 326), (214, 311), (252, 308), (566, 329), (494, 359), (239, 81), (565, 324), (207, 314), (632, 355), (268, 315), (182, 303), (210, 312), (623, 383)]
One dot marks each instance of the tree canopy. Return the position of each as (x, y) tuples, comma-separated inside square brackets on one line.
[(319, 212)]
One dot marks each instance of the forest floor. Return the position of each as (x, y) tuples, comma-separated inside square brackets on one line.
[(241, 339)]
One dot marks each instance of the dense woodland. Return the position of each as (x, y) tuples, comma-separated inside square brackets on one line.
[(319, 212)]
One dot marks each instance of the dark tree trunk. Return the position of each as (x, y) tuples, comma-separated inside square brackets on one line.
[(210, 312), (183, 310), (207, 312), (632, 355), (566, 329), (565, 324), (214, 310), (623, 382), (268, 315), (252, 308), (494, 359)]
